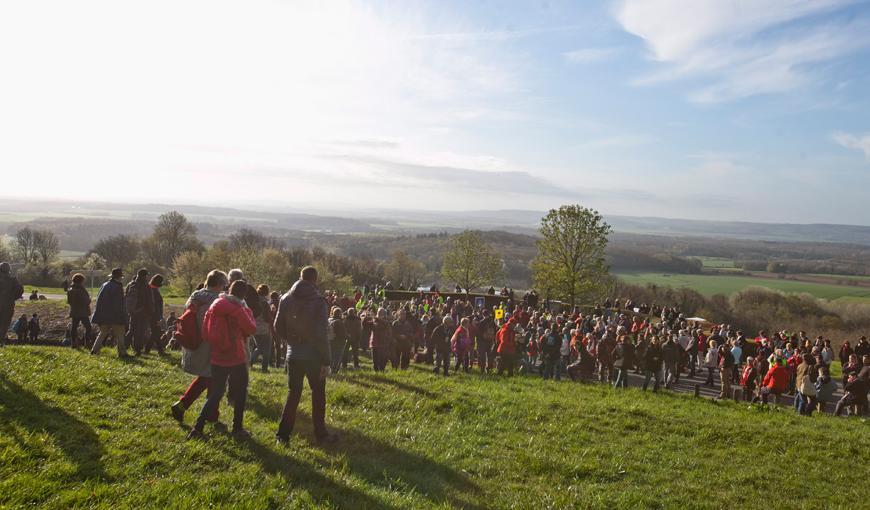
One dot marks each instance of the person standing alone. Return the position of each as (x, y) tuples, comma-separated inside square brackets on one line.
[(302, 321)]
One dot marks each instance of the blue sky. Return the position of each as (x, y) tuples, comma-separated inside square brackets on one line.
[(736, 110)]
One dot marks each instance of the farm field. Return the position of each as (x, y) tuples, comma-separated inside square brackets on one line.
[(727, 285), (95, 432)]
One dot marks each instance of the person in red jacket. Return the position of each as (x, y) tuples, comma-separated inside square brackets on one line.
[(776, 381), (226, 326), (507, 347)]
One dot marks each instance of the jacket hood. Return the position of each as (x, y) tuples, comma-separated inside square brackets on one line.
[(226, 304), (203, 296), (303, 290)]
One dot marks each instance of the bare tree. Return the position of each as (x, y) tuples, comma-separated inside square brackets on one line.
[(117, 250), (25, 250), (46, 245)]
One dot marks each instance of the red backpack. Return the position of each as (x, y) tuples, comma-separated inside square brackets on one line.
[(187, 329)]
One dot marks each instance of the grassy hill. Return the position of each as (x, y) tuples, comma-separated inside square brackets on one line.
[(95, 432)]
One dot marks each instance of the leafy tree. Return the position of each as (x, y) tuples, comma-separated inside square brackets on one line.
[(172, 235), (570, 262), (470, 262), (117, 251), (189, 268), (401, 268)]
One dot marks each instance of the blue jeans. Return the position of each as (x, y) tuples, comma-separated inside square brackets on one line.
[(237, 376)]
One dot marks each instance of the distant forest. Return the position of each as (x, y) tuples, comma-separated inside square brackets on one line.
[(626, 251)]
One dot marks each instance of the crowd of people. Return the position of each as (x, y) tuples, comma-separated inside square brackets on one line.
[(229, 326)]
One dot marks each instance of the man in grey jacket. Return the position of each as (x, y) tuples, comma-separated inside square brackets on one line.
[(302, 321)]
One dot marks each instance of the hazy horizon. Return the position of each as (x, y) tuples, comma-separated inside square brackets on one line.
[(725, 111)]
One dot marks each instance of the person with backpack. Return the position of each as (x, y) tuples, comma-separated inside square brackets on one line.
[(226, 326), (20, 328), (79, 302), (10, 291), (439, 341), (805, 377), (196, 354), (140, 310), (825, 388), (551, 351), (302, 321), (110, 313)]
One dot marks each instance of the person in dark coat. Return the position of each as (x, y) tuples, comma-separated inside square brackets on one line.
[(302, 321), (20, 328), (79, 302), (110, 313), (10, 291), (140, 310), (156, 325), (623, 360), (652, 364), (439, 340), (33, 328)]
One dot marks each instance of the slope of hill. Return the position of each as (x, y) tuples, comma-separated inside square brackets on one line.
[(84, 431)]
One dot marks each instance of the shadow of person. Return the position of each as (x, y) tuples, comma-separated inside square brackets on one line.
[(22, 409), (386, 466), (297, 474), (387, 380)]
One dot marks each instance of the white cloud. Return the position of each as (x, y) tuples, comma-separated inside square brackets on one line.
[(744, 47), (856, 142), (590, 55)]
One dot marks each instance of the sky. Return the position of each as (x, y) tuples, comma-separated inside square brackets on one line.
[(703, 109)]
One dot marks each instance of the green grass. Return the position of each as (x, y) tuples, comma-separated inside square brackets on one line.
[(717, 262), (171, 296), (724, 284), (94, 432)]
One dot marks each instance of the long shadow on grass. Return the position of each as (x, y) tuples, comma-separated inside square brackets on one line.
[(361, 379), (76, 439), (387, 466), (299, 475)]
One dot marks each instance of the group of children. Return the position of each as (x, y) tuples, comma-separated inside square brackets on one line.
[(26, 329)]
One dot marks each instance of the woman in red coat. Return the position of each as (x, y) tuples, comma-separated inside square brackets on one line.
[(226, 327), (507, 347)]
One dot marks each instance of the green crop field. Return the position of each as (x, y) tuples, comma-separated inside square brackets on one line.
[(81, 431), (727, 285), (717, 262)]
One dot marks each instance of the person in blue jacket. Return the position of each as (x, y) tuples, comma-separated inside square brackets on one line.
[(110, 313)]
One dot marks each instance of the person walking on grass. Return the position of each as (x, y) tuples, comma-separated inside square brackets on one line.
[(155, 323), (302, 321), (140, 309), (825, 388), (337, 334), (263, 335), (507, 347), (20, 329), (197, 362), (10, 291), (226, 327), (110, 313), (79, 302), (711, 361), (460, 343)]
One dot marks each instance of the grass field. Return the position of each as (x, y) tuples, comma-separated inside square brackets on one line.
[(724, 284), (95, 432), (718, 263)]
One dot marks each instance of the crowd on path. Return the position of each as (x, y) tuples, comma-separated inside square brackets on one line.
[(228, 326)]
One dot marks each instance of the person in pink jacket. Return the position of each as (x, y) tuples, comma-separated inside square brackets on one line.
[(226, 326)]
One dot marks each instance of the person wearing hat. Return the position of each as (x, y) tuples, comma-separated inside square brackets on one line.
[(156, 323), (110, 313), (10, 291), (139, 301), (79, 302)]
